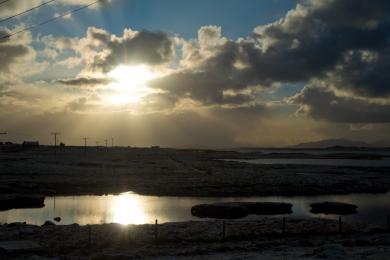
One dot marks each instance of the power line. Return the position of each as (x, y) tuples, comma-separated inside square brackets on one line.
[(26, 11), (3, 2), (29, 28)]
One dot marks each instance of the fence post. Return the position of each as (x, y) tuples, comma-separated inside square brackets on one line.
[(284, 226), (340, 224), (223, 230), (89, 235), (156, 230), (128, 234)]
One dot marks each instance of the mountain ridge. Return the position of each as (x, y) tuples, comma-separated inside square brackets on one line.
[(341, 142)]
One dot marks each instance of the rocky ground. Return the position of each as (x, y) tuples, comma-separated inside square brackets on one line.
[(261, 239), (70, 171)]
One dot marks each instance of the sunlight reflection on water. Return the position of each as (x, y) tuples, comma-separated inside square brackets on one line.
[(330, 162), (130, 208), (126, 209)]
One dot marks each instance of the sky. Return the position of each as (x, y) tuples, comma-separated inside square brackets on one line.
[(217, 74)]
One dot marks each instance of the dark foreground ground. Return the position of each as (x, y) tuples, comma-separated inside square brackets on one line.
[(178, 173), (173, 172), (262, 239)]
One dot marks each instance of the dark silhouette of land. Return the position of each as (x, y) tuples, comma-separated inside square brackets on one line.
[(341, 143), (174, 172), (46, 171)]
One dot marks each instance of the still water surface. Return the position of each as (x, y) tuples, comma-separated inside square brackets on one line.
[(130, 208), (385, 162)]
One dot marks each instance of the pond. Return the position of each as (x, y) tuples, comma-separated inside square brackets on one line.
[(131, 208), (385, 162)]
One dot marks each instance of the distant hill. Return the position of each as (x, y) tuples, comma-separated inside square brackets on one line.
[(332, 143), (382, 143)]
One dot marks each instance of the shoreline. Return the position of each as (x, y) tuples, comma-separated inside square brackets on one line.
[(200, 239), (217, 197)]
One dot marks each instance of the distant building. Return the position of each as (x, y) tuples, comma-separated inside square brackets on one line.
[(30, 144)]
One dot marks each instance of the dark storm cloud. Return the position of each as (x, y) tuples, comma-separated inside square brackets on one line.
[(85, 81), (211, 78), (321, 103), (205, 87), (310, 42), (143, 47), (364, 73), (11, 52), (312, 39)]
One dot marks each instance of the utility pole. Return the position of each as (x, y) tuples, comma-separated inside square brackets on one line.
[(3, 133), (55, 141), (106, 144), (85, 144), (55, 138), (112, 142)]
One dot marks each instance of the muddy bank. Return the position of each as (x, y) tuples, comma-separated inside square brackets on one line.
[(20, 201), (309, 237), (335, 208), (171, 172)]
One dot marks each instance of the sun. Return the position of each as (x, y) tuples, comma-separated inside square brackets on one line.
[(129, 83), (130, 76)]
